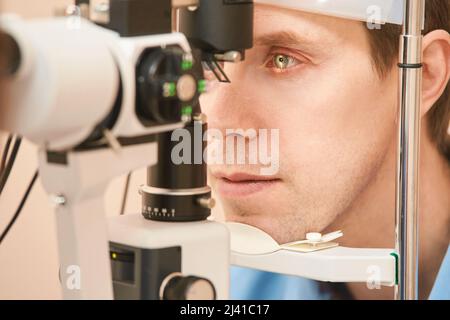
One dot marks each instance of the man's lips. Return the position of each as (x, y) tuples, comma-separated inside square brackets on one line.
[(242, 184)]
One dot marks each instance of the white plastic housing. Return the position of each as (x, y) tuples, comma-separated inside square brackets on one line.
[(67, 82), (81, 222), (338, 264), (204, 245), (69, 78), (127, 52), (255, 249), (374, 11)]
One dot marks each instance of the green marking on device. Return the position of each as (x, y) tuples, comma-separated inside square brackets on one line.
[(186, 65), (169, 89), (201, 86), (395, 255), (186, 111), (172, 89)]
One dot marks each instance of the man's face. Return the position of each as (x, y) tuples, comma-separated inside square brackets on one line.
[(311, 77)]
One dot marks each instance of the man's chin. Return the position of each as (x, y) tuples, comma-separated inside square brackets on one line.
[(269, 225)]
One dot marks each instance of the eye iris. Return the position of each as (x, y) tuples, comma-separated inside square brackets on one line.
[(281, 61)]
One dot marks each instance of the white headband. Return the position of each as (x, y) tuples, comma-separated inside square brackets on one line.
[(372, 11)]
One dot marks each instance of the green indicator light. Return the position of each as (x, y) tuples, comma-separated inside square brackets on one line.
[(186, 65), (172, 89), (186, 111), (201, 86), (169, 89)]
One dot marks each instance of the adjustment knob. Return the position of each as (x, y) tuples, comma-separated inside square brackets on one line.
[(178, 287), (167, 86), (208, 203)]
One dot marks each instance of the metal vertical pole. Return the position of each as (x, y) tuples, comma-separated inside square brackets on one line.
[(407, 180)]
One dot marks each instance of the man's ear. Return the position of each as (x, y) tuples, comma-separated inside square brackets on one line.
[(436, 67)]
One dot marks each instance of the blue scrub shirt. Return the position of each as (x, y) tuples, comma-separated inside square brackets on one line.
[(441, 289)]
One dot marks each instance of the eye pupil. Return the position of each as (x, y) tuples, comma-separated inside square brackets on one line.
[(281, 61)]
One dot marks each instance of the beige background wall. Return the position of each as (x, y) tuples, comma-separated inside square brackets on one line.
[(28, 256), (33, 8)]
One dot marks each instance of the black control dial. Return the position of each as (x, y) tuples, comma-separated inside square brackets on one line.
[(167, 86), (178, 287)]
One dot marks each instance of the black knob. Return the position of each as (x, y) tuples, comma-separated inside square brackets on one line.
[(167, 87), (178, 287)]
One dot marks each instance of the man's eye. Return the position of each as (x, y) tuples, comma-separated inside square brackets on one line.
[(281, 62)]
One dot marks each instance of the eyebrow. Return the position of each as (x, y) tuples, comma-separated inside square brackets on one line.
[(289, 39)]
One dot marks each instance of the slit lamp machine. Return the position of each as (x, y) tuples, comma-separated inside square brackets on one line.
[(100, 93)]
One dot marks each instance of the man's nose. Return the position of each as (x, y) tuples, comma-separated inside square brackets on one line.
[(232, 105)]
